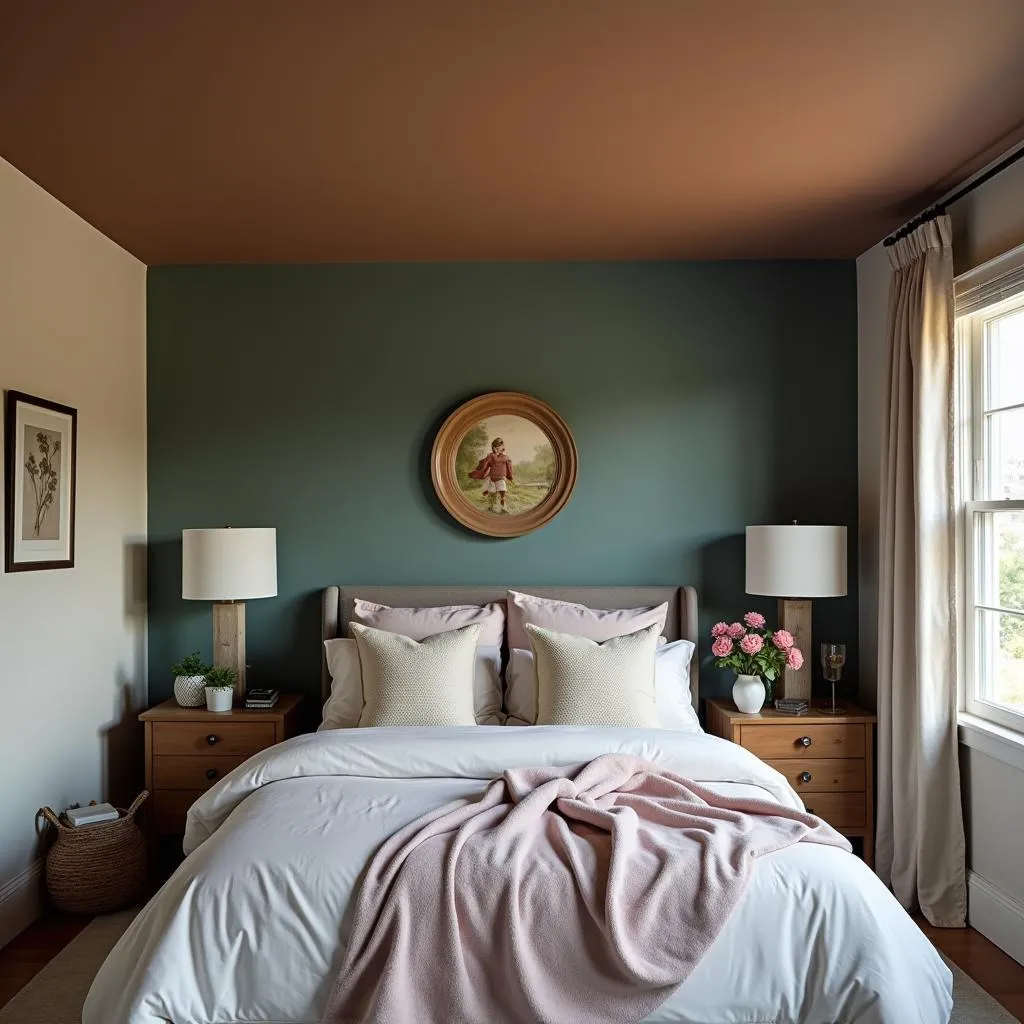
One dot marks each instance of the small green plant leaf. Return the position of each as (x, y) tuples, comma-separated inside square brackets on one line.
[(191, 665), (221, 678)]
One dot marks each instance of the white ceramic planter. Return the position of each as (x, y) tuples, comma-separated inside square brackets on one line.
[(188, 691), (748, 694), (218, 698)]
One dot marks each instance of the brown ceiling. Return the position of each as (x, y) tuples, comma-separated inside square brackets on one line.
[(280, 130)]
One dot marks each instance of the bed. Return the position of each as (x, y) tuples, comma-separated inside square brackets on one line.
[(253, 924)]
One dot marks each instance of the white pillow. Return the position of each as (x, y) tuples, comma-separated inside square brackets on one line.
[(419, 623), (582, 682), (412, 682), (672, 701), (345, 704), (575, 619)]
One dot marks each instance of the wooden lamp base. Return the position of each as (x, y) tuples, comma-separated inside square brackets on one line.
[(229, 640), (795, 618)]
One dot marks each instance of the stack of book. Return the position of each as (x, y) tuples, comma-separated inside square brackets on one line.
[(79, 817), (261, 698), (791, 706)]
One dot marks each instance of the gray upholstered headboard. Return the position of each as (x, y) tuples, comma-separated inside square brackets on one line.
[(680, 625)]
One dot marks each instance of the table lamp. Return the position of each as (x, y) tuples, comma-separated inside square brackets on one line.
[(229, 567), (796, 563)]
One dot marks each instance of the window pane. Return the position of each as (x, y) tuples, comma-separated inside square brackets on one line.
[(1004, 360), (1004, 454), (1000, 668), (1009, 541), (999, 559)]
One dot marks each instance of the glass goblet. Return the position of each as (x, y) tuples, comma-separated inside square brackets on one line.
[(833, 658)]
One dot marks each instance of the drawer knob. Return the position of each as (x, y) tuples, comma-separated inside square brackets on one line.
[(211, 773), (805, 776), (805, 741), (211, 739)]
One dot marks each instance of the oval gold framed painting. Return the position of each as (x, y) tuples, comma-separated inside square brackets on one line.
[(504, 464)]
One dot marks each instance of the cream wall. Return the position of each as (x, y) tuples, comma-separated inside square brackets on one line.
[(986, 223), (72, 642)]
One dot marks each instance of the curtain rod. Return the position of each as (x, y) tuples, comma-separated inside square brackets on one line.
[(940, 208)]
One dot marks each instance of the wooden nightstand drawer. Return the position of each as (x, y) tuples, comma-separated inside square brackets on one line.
[(840, 810), (236, 739), (808, 740), (167, 815), (192, 772), (827, 759), (188, 750), (823, 774)]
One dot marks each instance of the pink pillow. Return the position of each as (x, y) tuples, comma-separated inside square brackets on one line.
[(419, 623), (577, 619)]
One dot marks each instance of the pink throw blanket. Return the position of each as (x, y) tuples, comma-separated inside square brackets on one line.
[(563, 895)]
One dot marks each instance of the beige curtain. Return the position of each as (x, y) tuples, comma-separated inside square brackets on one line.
[(920, 841)]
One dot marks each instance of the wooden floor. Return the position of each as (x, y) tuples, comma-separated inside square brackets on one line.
[(988, 965), (23, 958), (998, 974)]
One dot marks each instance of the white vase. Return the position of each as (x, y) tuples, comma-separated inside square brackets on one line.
[(748, 694), (218, 698), (188, 690)]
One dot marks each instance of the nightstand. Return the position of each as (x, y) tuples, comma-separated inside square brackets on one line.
[(827, 759), (190, 749)]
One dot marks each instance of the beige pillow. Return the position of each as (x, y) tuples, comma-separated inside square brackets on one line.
[(578, 619), (408, 682), (672, 699), (581, 682), (420, 623), (344, 707)]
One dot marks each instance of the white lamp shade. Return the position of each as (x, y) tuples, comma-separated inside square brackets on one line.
[(796, 561), (228, 565)]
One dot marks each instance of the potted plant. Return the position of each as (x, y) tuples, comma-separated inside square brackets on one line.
[(189, 680), (220, 689), (757, 655)]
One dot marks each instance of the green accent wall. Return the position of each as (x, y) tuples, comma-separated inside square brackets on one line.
[(702, 397)]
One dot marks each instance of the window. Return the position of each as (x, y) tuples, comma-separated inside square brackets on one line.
[(991, 400)]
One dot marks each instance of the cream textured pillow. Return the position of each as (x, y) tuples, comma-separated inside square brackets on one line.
[(569, 617), (581, 682), (672, 700), (407, 682), (344, 707)]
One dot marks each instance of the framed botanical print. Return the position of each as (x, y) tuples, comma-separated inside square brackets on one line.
[(40, 463), (504, 464)]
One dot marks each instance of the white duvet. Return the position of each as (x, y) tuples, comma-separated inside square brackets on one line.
[(251, 926)]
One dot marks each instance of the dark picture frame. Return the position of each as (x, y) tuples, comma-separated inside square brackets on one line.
[(40, 476)]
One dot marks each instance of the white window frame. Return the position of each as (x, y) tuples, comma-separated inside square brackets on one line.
[(970, 335)]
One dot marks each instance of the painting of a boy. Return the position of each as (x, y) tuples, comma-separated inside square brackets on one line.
[(505, 465), (495, 469)]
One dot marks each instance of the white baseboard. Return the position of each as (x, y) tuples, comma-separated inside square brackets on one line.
[(21, 901), (997, 915)]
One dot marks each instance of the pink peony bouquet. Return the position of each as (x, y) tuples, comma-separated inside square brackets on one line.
[(751, 649)]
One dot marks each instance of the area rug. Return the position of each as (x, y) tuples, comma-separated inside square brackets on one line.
[(55, 995)]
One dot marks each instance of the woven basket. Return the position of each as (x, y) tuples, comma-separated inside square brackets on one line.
[(95, 869)]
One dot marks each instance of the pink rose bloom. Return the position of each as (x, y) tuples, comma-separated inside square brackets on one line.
[(794, 659), (736, 630), (719, 629), (755, 620), (782, 639), (722, 647), (751, 644)]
